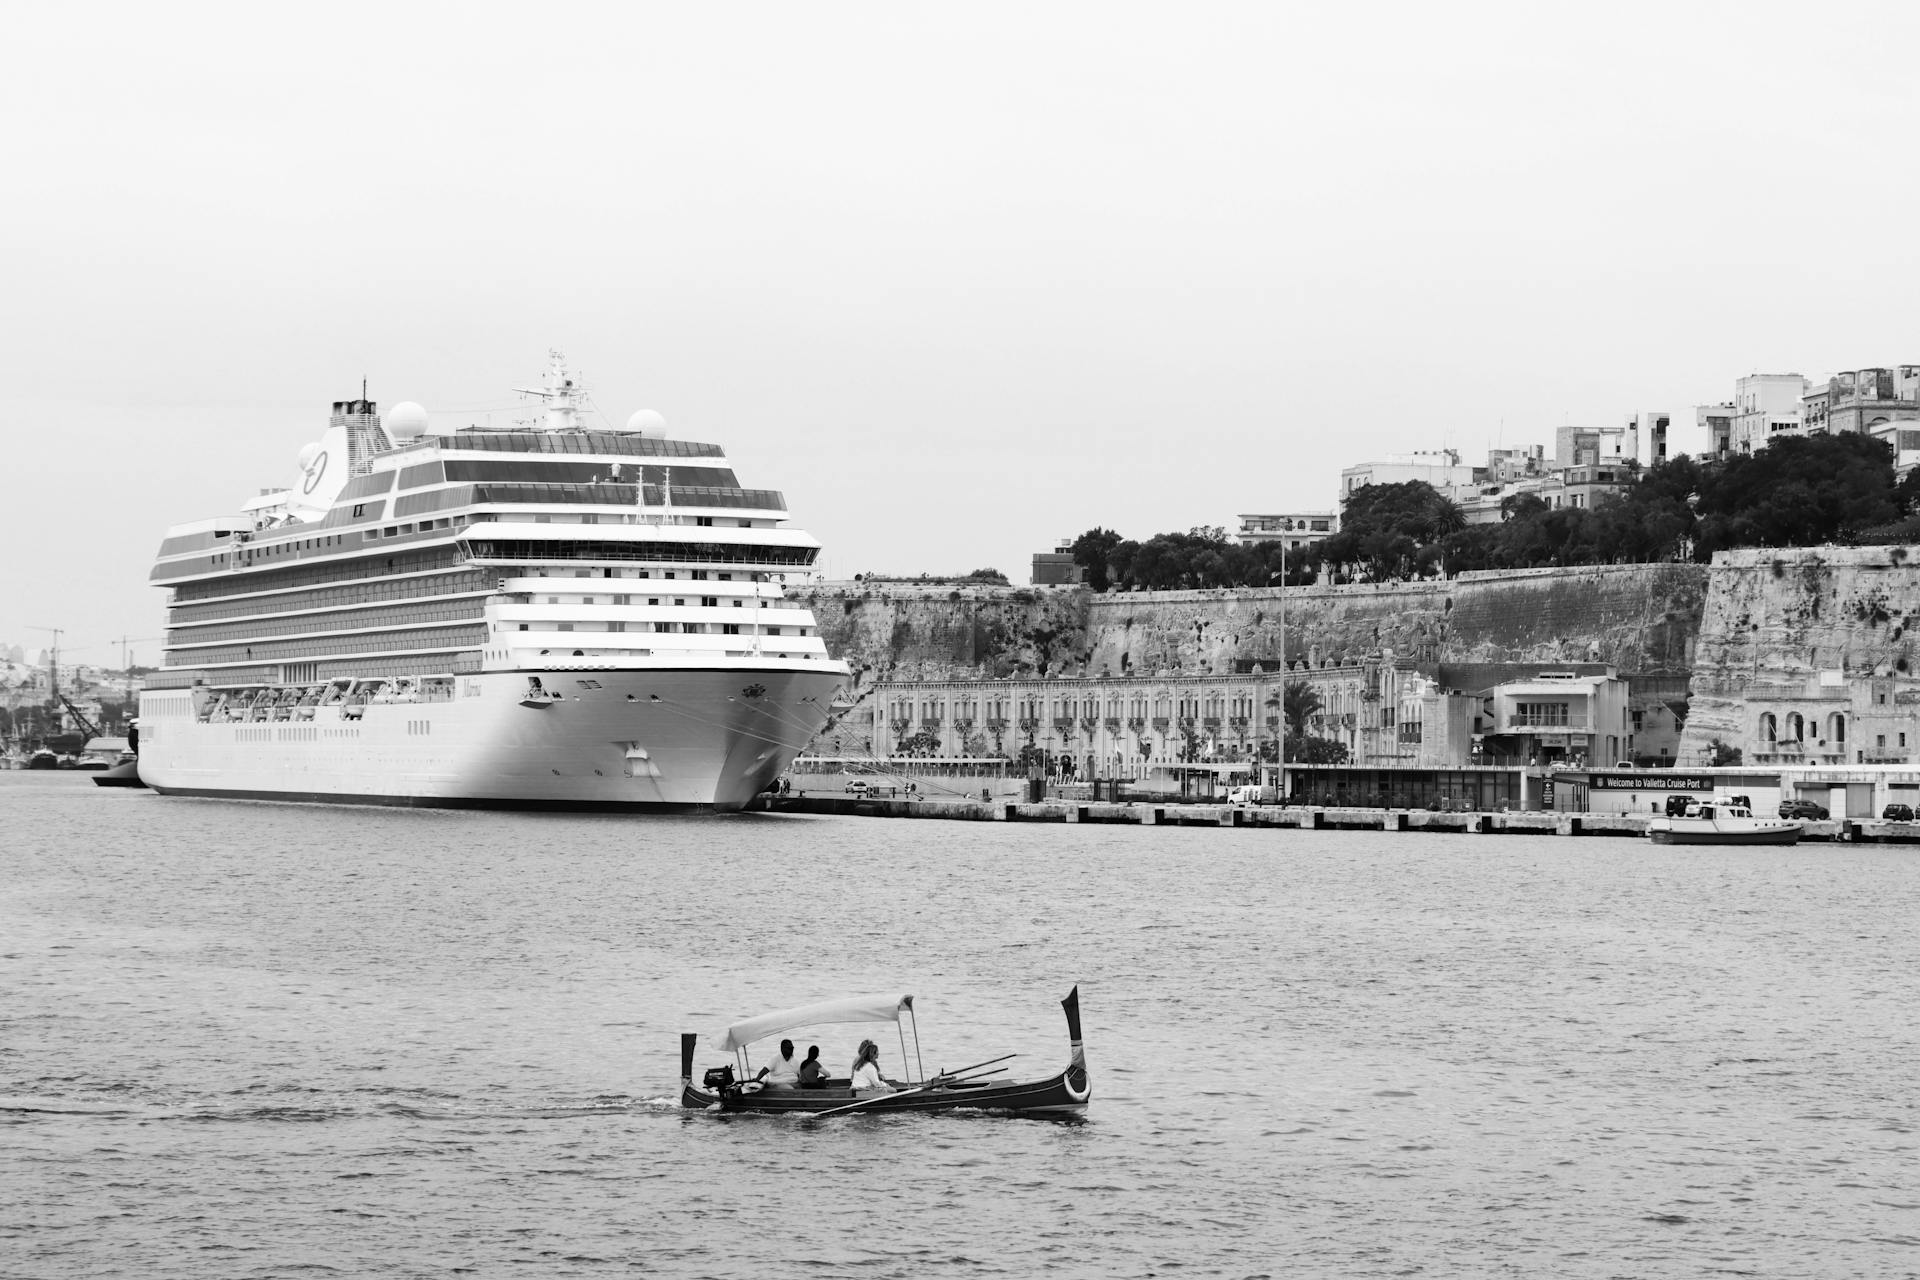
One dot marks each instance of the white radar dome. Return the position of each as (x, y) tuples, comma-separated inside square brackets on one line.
[(406, 421), (308, 453), (648, 422)]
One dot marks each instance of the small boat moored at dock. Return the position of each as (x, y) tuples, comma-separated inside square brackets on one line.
[(1723, 820), (735, 1087)]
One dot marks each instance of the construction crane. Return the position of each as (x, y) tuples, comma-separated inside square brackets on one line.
[(92, 729)]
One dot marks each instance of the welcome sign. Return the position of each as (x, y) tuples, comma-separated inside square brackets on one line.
[(1650, 781)]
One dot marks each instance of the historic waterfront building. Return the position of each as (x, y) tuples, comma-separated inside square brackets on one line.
[(1129, 726)]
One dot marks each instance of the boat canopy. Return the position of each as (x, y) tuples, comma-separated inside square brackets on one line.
[(849, 1009)]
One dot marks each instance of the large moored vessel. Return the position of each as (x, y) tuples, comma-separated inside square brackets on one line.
[(532, 617)]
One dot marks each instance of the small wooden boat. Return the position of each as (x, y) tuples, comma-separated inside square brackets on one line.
[(734, 1087), (1723, 821)]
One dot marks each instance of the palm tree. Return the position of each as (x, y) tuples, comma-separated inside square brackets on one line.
[(1297, 705), (1444, 516)]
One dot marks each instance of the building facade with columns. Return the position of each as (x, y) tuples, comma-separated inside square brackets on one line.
[(1129, 726)]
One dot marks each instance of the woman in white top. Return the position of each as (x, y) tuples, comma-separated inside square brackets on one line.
[(866, 1070)]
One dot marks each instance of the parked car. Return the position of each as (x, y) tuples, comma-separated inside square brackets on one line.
[(1677, 805), (1802, 809), (858, 787), (1898, 813)]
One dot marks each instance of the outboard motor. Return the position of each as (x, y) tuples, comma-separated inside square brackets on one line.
[(718, 1080)]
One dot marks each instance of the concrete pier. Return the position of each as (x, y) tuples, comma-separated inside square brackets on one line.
[(1546, 823)]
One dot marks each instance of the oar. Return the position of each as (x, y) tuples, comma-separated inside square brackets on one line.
[(976, 1066), (878, 1097), (855, 1106), (975, 1079)]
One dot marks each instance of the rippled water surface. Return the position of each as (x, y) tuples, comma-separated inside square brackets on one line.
[(260, 1040)]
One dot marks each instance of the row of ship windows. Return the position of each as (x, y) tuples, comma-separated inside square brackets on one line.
[(708, 602), (675, 628), (461, 637), (595, 517), (404, 615), (401, 530), (568, 571), (379, 532), (758, 559), (310, 575), (346, 620), (588, 442), (291, 733), (467, 580), (623, 655)]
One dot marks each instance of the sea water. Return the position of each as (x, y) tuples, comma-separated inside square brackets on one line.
[(270, 1040)]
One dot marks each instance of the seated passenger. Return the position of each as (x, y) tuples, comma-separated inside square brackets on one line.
[(812, 1074), (785, 1072), (866, 1070)]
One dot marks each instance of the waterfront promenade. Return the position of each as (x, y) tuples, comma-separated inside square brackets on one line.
[(1536, 823)]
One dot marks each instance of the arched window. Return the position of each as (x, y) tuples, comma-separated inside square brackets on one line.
[(1837, 729), (1796, 726), (1769, 730)]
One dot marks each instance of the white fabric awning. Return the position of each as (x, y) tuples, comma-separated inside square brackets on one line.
[(850, 1009)]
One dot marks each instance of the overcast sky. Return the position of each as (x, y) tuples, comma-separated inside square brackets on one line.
[(958, 279)]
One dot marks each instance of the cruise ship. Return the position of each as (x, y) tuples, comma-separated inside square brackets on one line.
[(545, 616)]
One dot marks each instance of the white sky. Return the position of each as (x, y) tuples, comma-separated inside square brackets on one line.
[(959, 280)]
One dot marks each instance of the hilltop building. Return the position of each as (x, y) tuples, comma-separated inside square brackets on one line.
[(1298, 529), (1864, 400), (1713, 425), (1057, 568), (1440, 468), (1766, 404)]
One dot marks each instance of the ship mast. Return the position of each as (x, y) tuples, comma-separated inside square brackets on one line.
[(560, 393)]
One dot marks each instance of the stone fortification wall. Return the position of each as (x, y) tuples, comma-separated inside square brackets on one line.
[(903, 632), (1192, 631), (1640, 618), (1637, 617), (1808, 625)]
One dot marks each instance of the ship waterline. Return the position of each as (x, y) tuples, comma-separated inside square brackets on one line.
[(665, 739), (554, 618)]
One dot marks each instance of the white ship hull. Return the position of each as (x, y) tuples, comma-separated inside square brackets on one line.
[(651, 739)]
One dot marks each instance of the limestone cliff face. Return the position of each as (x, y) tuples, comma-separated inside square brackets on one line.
[(1638, 617), (1641, 618), (905, 632), (1798, 624)]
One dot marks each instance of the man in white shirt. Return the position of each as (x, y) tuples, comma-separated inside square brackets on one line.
[(785, 1072)]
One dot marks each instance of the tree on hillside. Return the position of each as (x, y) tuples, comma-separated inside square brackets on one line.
[(1091, 551), (1384, 527), (1798, 491)]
